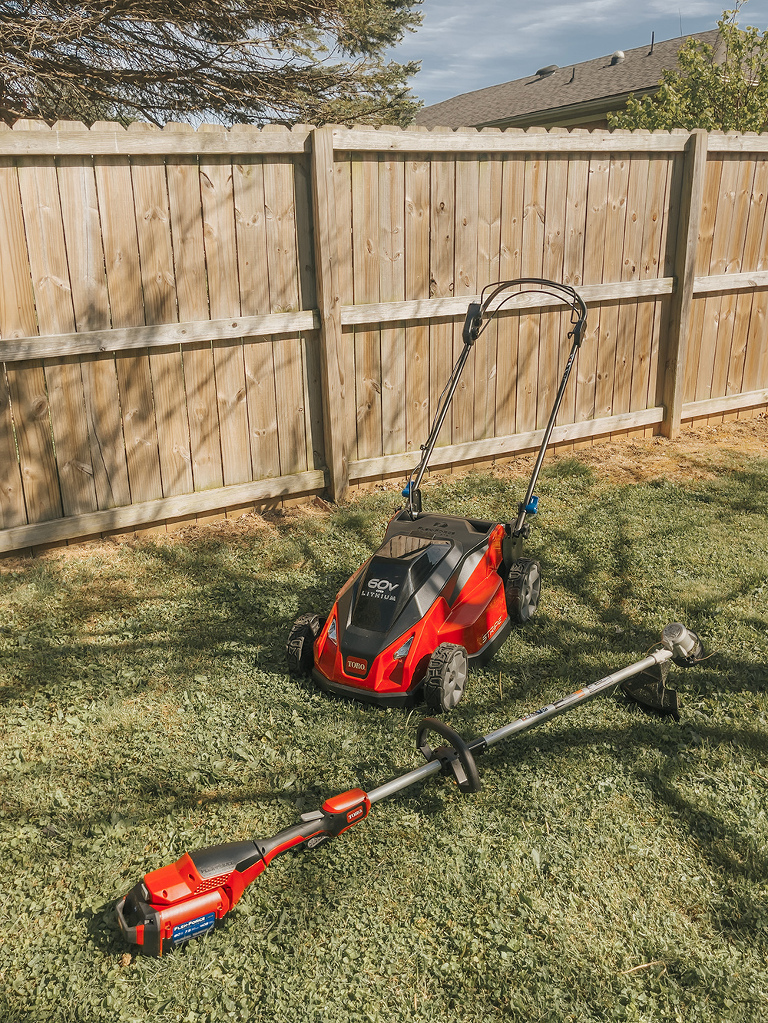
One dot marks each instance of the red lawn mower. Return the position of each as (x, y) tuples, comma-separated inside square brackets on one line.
[(442, 591)]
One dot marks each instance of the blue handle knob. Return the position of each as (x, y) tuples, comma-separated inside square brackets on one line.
[(533, 506)]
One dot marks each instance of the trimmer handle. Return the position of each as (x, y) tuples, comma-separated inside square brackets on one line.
[(185, 899)]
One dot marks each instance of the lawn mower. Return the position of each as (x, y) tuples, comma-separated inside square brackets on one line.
[(442, 591), (186, 899)]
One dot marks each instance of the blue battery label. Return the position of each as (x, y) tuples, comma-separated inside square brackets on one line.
[(191, 928)]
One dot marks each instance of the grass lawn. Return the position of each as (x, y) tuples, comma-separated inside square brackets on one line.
[(613, 867)]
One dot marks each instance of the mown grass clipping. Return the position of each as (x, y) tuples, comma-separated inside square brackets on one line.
[(613, 867)]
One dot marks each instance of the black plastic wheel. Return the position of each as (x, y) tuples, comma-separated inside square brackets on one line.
[(301, 640), (523, 590), (446, 677)]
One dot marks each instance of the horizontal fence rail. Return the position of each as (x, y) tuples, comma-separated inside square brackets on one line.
[(193, 321)]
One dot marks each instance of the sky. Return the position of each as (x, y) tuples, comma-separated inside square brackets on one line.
[(470, 44)]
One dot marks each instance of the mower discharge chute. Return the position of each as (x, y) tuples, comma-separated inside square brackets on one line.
[(186, 899), (442, 591)]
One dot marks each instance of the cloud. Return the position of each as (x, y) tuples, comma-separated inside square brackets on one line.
[(464, 46)]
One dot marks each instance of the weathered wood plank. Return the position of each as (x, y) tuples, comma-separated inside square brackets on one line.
[(631, 262), (26, 387), (510, 267), (709, 203), (126, 302), (549, 371), (279, 198), (365, 264), (53, 302), (85, 256), (463, 141), (677, 349), (417, 223), (616, 212), (465, 284), (500, 447), (342, 177), (185, 206), (103, 141), (534, 205), (252, 265), (224, 299), (151, 512), (727, 403), (158, 281), (442, 233), (573, 274), (329, 297), (392, 289)]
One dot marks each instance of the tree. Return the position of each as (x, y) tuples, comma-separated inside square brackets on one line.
[(251, 61), (723, 87)]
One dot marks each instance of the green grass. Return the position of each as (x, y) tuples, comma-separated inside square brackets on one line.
[(614, 866)]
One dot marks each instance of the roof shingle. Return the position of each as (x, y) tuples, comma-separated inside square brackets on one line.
[(639, 72)]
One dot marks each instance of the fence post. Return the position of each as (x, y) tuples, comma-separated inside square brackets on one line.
[(329, 302), (692, 188)]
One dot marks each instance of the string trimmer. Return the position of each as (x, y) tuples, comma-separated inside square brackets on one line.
[(185, 899)]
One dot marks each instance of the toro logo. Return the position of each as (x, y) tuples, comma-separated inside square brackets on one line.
[(356, 666), (354, 814)]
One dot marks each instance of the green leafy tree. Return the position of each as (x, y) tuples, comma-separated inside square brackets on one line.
[(252, 61), (722, 87)]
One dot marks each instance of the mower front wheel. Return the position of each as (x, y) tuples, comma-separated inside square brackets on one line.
[(523, 590), (446, 677), (301, 641)]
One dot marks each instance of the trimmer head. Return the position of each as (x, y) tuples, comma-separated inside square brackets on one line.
[(650, 690)]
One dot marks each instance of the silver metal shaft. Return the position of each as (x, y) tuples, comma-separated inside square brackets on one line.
[(522, 724)]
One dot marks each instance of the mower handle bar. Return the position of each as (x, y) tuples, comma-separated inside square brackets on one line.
[(478, 318)]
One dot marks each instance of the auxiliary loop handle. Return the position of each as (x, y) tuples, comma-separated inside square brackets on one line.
[(455, 757)]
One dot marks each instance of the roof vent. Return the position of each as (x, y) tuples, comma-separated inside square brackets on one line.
[(550, 69), (617, 57)]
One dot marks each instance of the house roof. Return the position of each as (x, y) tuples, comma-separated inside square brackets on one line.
[(572, 86)]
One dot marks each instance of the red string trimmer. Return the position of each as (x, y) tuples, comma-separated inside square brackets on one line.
[(185, 899)]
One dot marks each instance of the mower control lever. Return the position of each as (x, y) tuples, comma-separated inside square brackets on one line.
[(455, 757)]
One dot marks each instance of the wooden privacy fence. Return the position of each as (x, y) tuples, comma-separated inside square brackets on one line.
[(199, 320)]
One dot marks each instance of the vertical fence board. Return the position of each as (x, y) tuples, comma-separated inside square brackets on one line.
[(649, 268), (631, 260), (224, 299), (342, 178), (737, 236), (126, 303), (510, 263), (489, 232), (756, 258), (594, 254), (532, 257), (159, 289), (392, 289), (26, 383), (192, 298), (573, 274), (616, 211), (417, 220), (259, 356), (465, 284), (365, 258), (55, 315), (282, 248), (85, 255), (442, 234), (551, 323)]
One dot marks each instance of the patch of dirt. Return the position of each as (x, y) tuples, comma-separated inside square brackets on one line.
[(699, 453)]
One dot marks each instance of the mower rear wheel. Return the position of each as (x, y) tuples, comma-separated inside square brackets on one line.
[(301, 641), (523, 590), (446, 677)]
